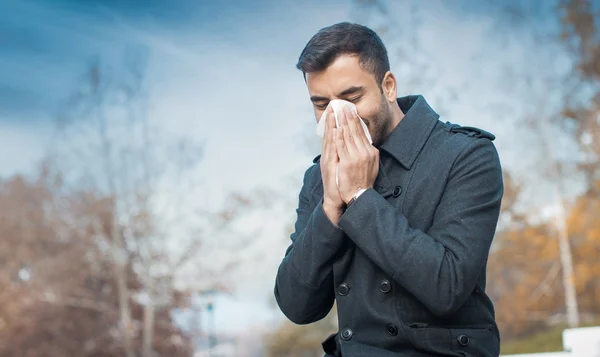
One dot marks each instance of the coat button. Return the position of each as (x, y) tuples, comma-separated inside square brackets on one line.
[(397, 191), (347, 334), (385, 287), (343, 289), (392, 329), (463, 340)]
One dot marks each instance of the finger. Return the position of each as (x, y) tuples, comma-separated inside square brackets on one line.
[(330, 118), (340, 145), (359, 132), (363, 136), (349, 127), (328, 144), (346, 133), (355, 128), (325, 116), (349, 144), (332, 148), (325, 130)]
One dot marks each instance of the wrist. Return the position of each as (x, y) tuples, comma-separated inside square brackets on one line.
[(359, 191), (327, 204), (333, 212)]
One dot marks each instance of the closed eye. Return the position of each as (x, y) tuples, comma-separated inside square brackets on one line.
[(321, 106)]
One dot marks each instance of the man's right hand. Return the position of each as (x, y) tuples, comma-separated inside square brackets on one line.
[(333, 205)]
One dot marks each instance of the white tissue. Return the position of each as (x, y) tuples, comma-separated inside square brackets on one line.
[(337, 105)]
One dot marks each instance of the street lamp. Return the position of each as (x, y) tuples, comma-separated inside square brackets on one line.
[(211, 320)]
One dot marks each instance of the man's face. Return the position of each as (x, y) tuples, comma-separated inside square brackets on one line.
[(346, 79)]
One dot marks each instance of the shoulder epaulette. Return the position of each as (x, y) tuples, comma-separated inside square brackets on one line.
[(470, 131)]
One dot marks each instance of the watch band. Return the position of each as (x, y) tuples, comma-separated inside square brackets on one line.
[(356, 195)]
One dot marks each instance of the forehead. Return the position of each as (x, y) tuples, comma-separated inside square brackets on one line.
[(343, 73)]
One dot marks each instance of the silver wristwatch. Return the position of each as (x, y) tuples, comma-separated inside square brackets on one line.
[(356, 195)]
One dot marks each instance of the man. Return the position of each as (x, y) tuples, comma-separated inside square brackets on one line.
[(402, 243)]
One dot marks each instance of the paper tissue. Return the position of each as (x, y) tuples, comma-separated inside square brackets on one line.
[(337, 105)]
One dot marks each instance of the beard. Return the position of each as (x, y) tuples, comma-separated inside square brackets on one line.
[(379, 123)]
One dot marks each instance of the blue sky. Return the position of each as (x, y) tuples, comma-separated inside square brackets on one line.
[(223, 71), (47, 44)]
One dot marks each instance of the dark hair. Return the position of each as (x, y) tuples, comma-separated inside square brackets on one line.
[(345, 39)]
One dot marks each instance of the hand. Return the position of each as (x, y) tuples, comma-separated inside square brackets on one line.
[(332, 201), (359, 160)]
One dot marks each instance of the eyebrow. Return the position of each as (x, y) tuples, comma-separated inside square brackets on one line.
[(345, 92)]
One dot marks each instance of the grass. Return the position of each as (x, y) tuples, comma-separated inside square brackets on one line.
[(547, 341)]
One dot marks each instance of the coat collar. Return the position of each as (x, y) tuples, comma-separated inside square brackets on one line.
[(409, 136)]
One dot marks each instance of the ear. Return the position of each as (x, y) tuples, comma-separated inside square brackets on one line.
[(388, 85)]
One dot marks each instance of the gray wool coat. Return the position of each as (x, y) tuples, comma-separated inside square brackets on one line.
[(407, 263)]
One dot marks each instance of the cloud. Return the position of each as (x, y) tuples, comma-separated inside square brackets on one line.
[(22, 149)]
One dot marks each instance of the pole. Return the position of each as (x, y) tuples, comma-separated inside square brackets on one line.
[(212, 335)]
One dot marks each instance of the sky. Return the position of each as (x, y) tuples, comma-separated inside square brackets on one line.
[(224, 73)]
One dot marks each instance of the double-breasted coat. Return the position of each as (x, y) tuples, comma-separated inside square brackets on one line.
[(407, 261)]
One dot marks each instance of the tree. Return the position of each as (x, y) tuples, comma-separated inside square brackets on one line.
[(580, 31), (578, 116), (108, 143), (57, 292), (525, 269)]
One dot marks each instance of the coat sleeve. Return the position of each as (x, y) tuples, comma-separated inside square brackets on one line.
[(304, 284), (439, 267)]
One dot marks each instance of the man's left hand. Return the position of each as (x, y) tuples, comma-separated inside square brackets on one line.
[(359, 160)]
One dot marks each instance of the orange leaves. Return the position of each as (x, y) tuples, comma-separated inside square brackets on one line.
[(57, 289), (524, 271)]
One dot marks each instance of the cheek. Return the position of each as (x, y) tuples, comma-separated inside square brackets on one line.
[(318, 114), (369, 113), (368, 108)]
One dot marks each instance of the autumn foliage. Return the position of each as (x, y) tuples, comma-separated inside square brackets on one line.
[(57, 287), (524, 272)]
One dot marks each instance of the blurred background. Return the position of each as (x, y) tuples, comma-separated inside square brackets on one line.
[(152, 154)]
